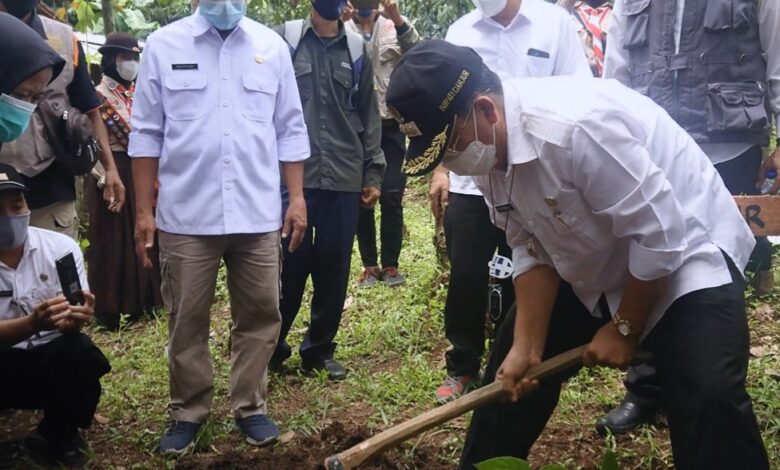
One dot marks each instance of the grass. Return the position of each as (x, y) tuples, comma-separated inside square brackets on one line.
[(392, 341)]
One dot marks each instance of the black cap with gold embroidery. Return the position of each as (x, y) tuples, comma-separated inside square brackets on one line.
[(432, 81)]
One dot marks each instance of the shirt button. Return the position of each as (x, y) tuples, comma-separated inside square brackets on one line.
[(531, 223), (322, 127), (225, 105), (186, 84), (574, 220), (556, 257), (227, 160), (226, 132), (224, 77), (228, 186)]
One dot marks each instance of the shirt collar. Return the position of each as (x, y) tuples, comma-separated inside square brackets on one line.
[(200, 25), (520, 148)]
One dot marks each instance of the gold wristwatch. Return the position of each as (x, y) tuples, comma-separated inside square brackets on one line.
[(624, 327)]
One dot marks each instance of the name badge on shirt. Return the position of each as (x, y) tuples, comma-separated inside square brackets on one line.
[(6, 293), (503, 208), (537, 53), (184, 66), (346, 65)]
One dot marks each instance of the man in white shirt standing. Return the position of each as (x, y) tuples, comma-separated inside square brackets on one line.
[(622, 234), (515, 38), (216, 112), (46, 362), (714, 66)]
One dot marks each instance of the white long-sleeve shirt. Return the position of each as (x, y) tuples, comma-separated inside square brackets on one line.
[(541, 41), (602, 184), (617, 61)]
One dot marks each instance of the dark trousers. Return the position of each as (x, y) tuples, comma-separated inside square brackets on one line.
[(472, 240), (739, 175), (392, 216), (325, 254), (62, 378), (701, 354)]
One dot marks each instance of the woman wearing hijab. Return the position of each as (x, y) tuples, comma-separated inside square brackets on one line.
[(27, 66), (121, 285)]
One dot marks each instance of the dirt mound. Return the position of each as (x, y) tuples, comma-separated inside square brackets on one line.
[(309, 453)]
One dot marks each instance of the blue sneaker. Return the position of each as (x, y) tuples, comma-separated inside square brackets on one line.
[(259, 430), (179, 438)]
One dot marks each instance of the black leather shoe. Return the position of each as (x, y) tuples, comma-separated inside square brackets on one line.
[(626, 417), (335, 370)]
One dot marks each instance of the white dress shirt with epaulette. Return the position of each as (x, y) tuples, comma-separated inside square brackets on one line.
[(603, 184)]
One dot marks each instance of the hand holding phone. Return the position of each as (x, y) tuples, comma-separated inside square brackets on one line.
[(69, 279)]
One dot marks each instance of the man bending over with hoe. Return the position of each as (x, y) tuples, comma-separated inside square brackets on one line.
[(622, 235)]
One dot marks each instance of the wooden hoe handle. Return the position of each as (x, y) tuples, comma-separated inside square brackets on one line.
[(360, 453)]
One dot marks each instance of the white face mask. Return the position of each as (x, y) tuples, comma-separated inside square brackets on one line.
[(490, 7), (127, 69), (477, 159)]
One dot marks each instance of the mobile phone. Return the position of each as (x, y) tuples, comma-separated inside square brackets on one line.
[(69, 279), (365, 4)]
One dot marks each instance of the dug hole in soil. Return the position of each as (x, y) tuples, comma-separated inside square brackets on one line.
[(310, 452)]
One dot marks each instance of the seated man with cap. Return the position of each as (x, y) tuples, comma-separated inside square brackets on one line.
[(46, 363), (623, 236)]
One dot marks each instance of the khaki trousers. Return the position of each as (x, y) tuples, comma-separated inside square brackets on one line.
[(189, 266), (59, 217)]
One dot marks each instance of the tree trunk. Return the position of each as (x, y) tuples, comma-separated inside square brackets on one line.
[(108, 16)]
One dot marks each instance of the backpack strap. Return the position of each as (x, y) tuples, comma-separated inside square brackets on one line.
[(293, 32), (355, 44)]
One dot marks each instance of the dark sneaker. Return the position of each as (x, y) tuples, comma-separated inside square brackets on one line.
[(369, 277), (72, 452), (259, 430), (626, 417), (179, 438), (335, 370), (455, 387), (392, 278)]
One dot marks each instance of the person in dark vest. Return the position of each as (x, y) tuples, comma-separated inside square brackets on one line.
[(714, 66), (52, 185), (120, 283)]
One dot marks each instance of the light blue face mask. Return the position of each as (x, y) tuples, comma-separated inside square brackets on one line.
[(13, 230), (223, 14), (14, 117)]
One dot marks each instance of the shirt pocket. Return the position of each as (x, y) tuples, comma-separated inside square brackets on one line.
[(539, 66), (342, 86), (725, 15), (576, 230), (258, 97), (736, 107), (184, 96), (304, 77), (637, 14)]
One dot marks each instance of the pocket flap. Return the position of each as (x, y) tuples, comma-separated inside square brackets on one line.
[(344, 77), (262, 84), (635, 7), (302, 69), (188, 81)]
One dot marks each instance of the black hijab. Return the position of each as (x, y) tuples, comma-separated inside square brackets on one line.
[(23, 53)]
